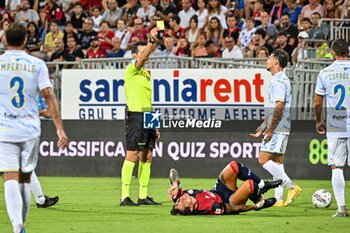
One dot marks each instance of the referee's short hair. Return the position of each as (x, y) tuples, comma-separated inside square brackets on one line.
[(340, 47), (134, 47), (282, 57), (15, 35)]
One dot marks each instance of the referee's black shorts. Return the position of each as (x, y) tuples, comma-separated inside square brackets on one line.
[(138, 138)]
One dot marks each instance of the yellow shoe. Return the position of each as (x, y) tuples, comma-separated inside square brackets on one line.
[(292, 194), (279, 204)]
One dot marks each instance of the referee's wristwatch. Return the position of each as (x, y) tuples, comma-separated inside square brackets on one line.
[(150, 40)]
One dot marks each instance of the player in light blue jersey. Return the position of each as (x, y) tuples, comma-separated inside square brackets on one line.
[(276, 127), (22, 77), (333, 82)]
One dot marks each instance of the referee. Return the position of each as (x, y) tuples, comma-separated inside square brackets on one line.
[(139, 141)]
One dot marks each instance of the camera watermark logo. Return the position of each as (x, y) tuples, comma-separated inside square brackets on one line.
[(151, 120)]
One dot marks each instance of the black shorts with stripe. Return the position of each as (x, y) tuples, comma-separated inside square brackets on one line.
[(138, 138), (224, 192)]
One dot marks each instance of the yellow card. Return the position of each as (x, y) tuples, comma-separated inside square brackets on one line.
[(160, 24)]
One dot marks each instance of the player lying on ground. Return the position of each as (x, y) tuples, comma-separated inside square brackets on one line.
[(225, 197)]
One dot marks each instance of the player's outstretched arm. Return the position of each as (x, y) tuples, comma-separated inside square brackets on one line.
[(174, 181), (52, 105), (236, 209)]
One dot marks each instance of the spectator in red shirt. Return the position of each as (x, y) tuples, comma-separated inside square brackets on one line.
[(232, 29), (89, 4), (105, 36), (176, 31), (258, 9), (139, 31), (277, 11), (54, 12), (95, 51)]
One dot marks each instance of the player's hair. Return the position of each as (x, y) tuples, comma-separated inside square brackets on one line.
[(135, 47), (340, 47), (282, 57), (175, 211), (15, 35)]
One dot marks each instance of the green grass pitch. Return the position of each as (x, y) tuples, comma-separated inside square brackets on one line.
[(91, 205)]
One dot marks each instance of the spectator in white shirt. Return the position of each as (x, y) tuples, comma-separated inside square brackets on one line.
[(13, 5), (146, 12), (202, 13), (123, 34), (232, 50), (186, 13), (169, 47), (26, 14), (97, 18), (215, 9), (113, 13), (246, 35)]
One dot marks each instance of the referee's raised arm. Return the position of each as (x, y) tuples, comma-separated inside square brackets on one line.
[(141, 60)]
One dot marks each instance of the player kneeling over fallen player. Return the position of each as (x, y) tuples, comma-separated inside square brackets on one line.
[(225, 197)]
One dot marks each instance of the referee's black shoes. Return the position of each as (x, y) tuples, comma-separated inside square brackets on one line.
[(147, 201), (128, 202)]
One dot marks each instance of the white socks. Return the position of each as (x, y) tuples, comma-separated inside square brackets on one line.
[(26, 196), (14, 202), (36, 189), (278, 172), (338, 184), (279, 189)]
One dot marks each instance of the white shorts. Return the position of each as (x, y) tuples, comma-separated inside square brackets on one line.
[(19, 156), (277, 144), (338, 151)]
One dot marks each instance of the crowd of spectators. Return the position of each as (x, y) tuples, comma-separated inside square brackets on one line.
[(70, 30)]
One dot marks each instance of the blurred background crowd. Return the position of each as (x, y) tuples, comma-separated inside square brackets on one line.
[(70, 30)]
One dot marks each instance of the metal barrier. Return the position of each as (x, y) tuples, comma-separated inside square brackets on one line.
[(314, 64), (334, 31), (214, 63), (303, 76)]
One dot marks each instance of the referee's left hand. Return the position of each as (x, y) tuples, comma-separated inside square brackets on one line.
[(157, 133), (154, 33)]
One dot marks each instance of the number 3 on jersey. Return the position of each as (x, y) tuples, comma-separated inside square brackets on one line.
[(17, 84), (342, 89)]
